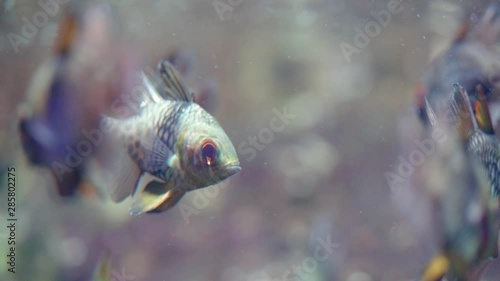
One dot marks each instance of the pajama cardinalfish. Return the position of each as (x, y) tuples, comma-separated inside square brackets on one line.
[(170, 147)]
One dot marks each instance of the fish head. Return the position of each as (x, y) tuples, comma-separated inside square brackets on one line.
[(207, 154)]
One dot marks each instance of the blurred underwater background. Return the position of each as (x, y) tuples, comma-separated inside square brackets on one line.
[(316, 127)]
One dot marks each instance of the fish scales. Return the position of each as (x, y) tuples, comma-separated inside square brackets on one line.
[(485, 148)]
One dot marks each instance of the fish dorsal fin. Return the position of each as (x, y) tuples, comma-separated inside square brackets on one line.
[(174, 86), (153, 193), (482, 112), (152, 94), (462, 108)]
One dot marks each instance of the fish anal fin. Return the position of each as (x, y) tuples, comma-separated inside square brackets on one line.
[(482, 112)]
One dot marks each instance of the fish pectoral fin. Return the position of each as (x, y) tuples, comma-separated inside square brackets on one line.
[(482, 112), (153, 194)]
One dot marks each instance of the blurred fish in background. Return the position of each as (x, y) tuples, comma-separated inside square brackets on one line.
[(471, 60), (67, 95), (459, 186)]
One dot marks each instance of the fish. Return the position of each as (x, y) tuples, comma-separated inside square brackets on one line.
[(50, 118), (470, 60), (460, 181), (171, 146), (102, 271), (69, 92)]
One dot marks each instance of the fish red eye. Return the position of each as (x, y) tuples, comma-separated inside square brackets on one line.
[(208, 152)]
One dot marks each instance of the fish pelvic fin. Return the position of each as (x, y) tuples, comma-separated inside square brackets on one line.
[(436, 269), (154, 195), (482, 112), (461, 106)]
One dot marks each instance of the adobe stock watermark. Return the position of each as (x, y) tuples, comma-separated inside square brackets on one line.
[(309, 265), (277, 124), (225, 8), (40, 19), (200, 200), (371, 29), (417, 157)]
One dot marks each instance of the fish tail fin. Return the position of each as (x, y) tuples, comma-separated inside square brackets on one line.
[(114, 165), (124, 174), (463, 111), (482, 112)]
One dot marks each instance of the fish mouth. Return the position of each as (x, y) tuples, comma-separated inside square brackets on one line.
[(233, 169), (229, 170)]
